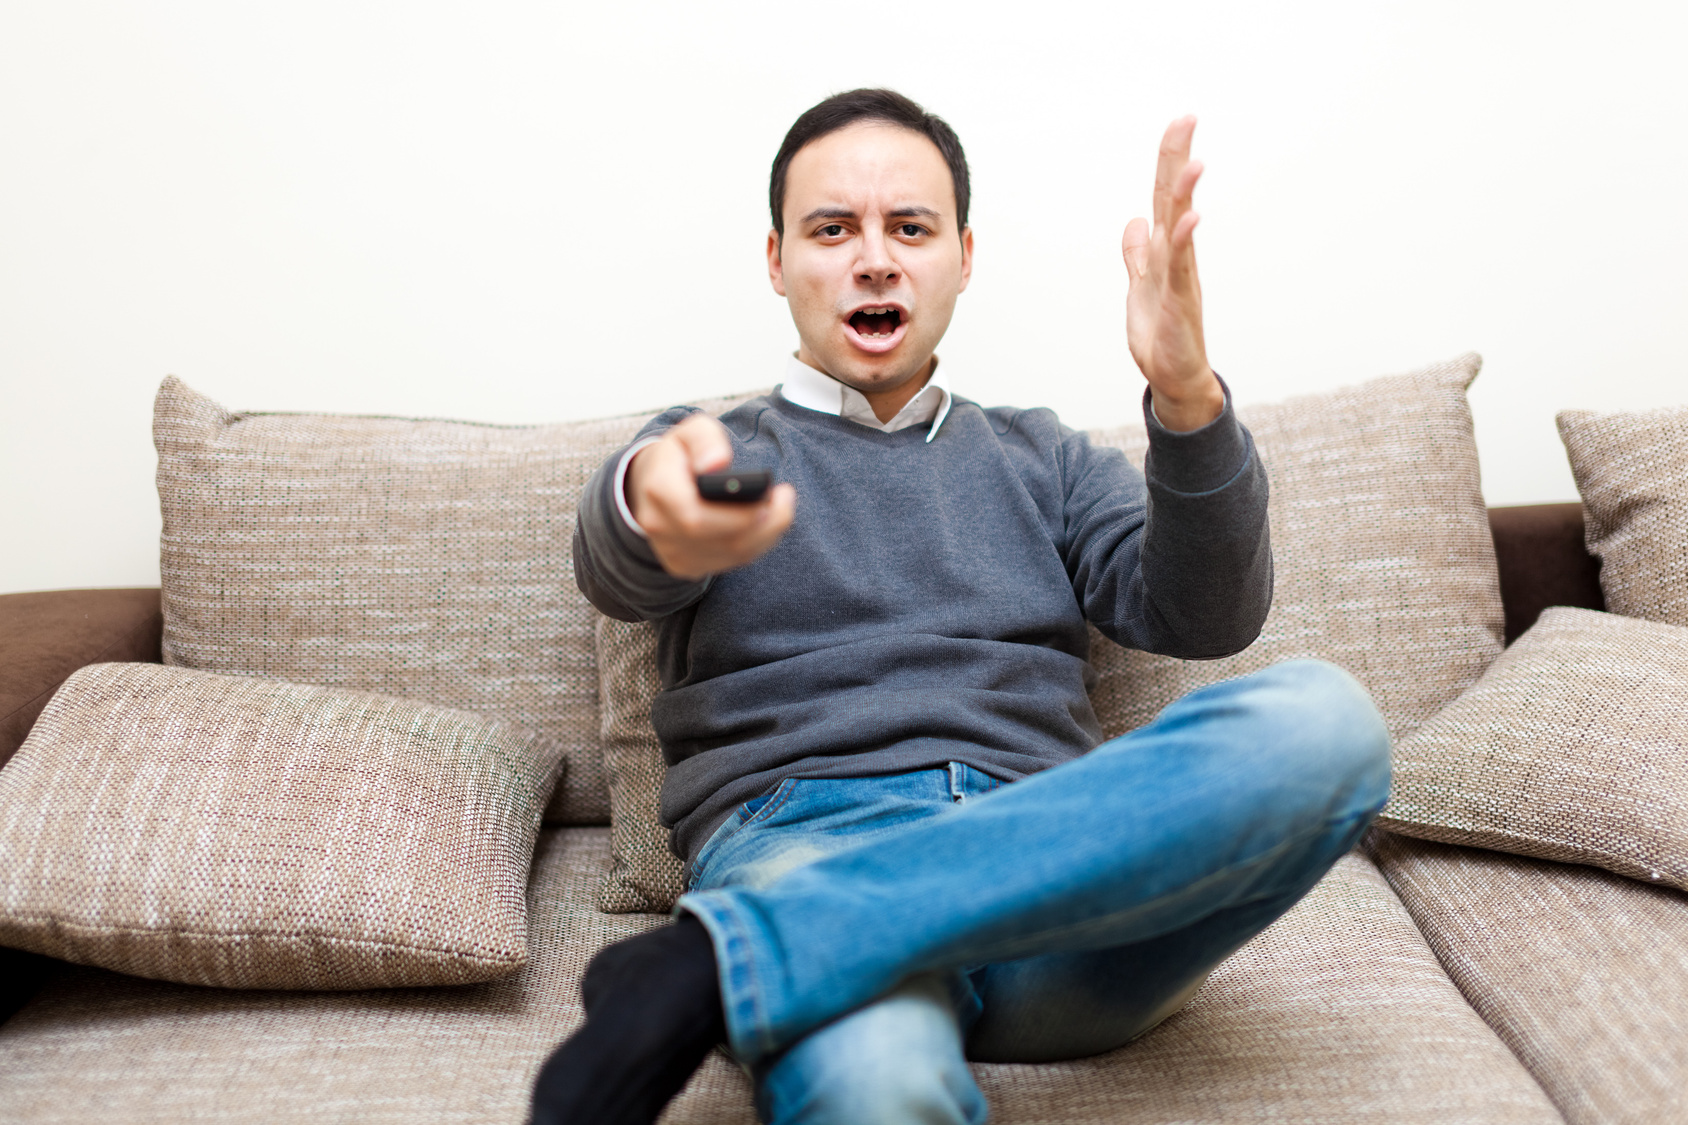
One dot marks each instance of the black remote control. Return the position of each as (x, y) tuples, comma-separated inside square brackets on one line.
[(735, 487)]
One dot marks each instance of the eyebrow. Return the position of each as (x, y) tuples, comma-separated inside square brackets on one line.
[(846, 213)]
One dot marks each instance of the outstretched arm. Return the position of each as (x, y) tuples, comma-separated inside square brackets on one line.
[(1177, 560), (1163, 312), (645, 543)]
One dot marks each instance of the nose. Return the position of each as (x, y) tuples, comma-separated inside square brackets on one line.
[(875, 266)]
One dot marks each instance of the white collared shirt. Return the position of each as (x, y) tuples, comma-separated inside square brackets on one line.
[(816, 390)]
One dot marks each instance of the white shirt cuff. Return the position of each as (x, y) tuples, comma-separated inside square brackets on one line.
[(621, 485)]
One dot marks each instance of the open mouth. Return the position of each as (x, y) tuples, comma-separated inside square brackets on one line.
[(876, 323)]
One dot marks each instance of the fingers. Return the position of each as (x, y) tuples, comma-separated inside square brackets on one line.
[(775, 513), (702, 538), (1135, 247), (694, 537), (1174, 155), (1184, 234), (705, 442), (1181, 262), (1177, 224), (1181, 228), (1183, 193)]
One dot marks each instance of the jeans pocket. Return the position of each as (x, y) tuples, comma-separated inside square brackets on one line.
[(753, 811)]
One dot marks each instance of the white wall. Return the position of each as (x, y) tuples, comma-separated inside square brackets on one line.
[(533, 211)]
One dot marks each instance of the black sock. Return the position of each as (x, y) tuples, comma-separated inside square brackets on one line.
[(653, 1012)]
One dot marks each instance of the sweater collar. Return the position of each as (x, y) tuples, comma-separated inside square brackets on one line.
[(815, 390)]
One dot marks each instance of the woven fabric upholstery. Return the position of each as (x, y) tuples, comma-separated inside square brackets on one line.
[(424, 559), (1380, 539), (1632, 474), (228, 830), (1384, 561), (644, 875), (1583, 973), (1570, 747), (1339, 1012)]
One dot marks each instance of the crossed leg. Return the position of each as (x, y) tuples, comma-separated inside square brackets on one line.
[(1062, 915), (902, 1060)]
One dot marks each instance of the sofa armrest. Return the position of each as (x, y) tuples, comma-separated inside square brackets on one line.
[(1539, 549), (46, 636)]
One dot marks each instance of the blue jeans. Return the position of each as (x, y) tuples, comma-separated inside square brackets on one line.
[(875, 933)]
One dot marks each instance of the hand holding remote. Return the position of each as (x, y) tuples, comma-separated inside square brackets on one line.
[(693, 537)]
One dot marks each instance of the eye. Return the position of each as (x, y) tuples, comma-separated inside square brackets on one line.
[(831, 230), (912, 230)]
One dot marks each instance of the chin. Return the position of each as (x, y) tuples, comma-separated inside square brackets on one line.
[(876, 373)]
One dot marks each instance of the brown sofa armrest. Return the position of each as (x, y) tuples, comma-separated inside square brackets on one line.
[(1543, 562), (46, 636)]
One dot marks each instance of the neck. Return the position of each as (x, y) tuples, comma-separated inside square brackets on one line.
[(888, 401)]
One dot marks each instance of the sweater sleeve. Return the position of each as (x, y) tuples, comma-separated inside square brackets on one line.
[(1176, 560), (614, 565)]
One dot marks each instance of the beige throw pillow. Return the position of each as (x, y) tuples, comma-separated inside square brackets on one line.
[(418, 558), (1384, 565), (242, 832), (1632, 472), (1572, 747)]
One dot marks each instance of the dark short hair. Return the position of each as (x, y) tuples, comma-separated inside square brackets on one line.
[(846, 109)]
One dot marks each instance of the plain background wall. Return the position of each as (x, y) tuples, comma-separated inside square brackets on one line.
[(527, 212)]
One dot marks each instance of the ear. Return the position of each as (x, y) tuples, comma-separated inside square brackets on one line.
[(966, 257), (776, 270)]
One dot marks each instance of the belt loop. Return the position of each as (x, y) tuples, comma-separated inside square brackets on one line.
[(958, 789)]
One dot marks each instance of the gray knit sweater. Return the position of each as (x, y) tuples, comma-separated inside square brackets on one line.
[(928, 603)]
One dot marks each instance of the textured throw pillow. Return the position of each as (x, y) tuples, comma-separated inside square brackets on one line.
[(1632, 472), (235, 831), (1384, 565), (644, 875), (1573, 746), (418, 558)]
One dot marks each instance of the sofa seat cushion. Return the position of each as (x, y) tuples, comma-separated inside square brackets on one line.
[(1339, 1012), (1584, 973), (95, 1046)]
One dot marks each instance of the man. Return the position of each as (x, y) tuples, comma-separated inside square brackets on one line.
[(905, 846)]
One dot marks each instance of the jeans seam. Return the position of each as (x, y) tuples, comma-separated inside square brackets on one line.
[(778, 801), (774, 802), (726, 915)]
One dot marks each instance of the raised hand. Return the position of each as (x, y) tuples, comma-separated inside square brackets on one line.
[(1163, 311), (693, 537)]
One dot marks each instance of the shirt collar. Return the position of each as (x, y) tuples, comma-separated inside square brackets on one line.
[(815, 390)]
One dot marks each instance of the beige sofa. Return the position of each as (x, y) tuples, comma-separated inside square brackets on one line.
[(1418, 982)]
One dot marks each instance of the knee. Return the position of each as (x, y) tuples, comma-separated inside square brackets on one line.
[(894, 1062), (1325, 728), (895, 1096)]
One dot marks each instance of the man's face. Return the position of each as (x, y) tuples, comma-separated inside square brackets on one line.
[(871, 261)]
